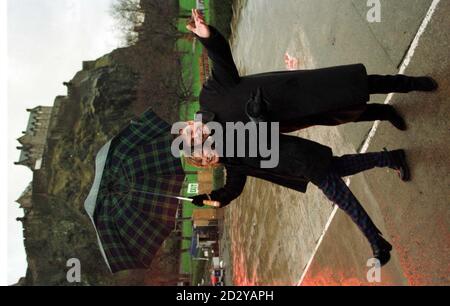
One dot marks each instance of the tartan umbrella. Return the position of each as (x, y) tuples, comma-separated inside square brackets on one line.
[(128, 202)]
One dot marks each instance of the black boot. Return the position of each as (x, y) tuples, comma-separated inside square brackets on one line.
[(385, 113), (382, 250), (398, 162), (384, 84), (396, 120), (425, 84)]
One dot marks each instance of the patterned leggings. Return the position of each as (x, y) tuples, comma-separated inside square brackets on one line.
[(338, 192)]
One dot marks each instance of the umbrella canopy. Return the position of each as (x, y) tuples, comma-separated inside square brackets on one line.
[(126, 204)]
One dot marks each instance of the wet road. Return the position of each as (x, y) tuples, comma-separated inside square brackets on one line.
[(272, 231)]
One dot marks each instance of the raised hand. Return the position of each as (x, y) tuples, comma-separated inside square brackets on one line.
[(197, 25)]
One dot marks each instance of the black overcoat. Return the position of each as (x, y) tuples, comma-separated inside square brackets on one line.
[(292, 95), (327, 96)]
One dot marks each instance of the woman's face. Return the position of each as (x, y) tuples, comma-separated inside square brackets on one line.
[(195, 134), (208, 157)]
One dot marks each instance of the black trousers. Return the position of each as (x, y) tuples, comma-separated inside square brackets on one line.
[(377, 84), (335, 189), (384, 84)]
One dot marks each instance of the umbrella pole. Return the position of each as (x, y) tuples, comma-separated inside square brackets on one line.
[(211, 203), (205, 202)]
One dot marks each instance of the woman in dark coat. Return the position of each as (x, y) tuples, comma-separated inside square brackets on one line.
[(300, 162), (297, 99)]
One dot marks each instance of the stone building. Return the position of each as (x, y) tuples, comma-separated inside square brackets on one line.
[(25, 200), (34, 137)]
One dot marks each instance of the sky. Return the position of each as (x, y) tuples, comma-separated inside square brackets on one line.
[(47, 41)]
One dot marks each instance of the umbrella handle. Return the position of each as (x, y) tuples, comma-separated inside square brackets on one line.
[(212, 203)]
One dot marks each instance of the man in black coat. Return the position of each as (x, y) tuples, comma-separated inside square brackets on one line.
[(297, 99)]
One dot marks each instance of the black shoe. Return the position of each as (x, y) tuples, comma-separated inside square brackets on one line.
[(425, 84), (382, 251), (399, 163), (396, 120)]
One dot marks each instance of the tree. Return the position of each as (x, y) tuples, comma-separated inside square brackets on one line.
[(153, 55), (129, 16)]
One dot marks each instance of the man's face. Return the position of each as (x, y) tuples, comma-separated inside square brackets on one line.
[(195, 133)]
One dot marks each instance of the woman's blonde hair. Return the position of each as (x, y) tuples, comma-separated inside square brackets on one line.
[(197, 162)]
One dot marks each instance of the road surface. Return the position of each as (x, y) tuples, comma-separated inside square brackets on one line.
[(281, 237)]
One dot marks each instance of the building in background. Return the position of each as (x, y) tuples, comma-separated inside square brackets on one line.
[(25, 198), (34, 137)]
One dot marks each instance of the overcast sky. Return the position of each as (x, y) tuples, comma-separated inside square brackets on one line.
[(47, 41)]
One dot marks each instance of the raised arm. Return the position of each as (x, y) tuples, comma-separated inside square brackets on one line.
[(235, 183), (224, 70)]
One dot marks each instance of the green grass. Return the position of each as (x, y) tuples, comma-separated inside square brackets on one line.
[(218, 178), (217, 13), (190, 69), (221, 13), (199, 268)]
